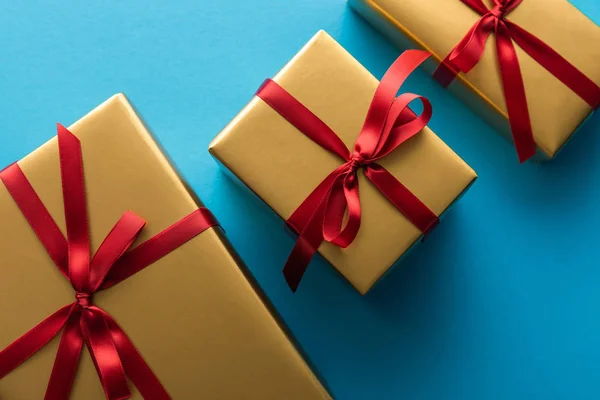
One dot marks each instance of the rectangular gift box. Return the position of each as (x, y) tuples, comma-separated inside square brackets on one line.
[(196, 315), (282, 166), (437, 26)]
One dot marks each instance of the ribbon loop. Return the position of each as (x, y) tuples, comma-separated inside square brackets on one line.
[(81, 321), (388, 124), (402, 124), (383, 99), (71, 168), (118, 241), (342, 196)]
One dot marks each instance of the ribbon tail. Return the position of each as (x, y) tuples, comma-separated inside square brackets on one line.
[(135, 367), (100, 343), (307, 221), (28, 344), (516, 98), (66, 361), (306, 246), (403, 199), (556, 64), (303, 214)]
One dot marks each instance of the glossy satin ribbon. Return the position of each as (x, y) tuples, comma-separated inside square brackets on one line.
[(470, 50), (388, 124), (114, 356)]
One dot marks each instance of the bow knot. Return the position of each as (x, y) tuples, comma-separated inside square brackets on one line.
[(83, 300), (81, 322), (499, 11), (357, 161), (469, 51)]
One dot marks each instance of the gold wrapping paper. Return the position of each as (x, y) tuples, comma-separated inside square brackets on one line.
[(438, 25), (282, 166), (195, 315)]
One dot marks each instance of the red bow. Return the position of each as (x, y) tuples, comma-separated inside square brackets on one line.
[(470, 50), (114, 356), (388, 124)]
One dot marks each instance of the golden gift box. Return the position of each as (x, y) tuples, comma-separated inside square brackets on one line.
[(556, 112), (282, 166), (196, 315)]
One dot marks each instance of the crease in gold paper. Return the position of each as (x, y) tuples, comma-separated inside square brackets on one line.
[(282, 166), (194, 315), (438, 25)]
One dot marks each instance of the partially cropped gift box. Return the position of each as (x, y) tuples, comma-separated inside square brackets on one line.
[(538, 76), (323, 93), (185, 303)]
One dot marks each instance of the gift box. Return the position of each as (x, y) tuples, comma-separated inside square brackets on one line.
[(194, 313), (552, 41), (268, 154)]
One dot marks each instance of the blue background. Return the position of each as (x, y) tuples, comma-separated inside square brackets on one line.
[(501, 303)]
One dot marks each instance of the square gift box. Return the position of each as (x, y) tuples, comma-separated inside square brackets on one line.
[(282, 166), (556, 112), (195, 315)]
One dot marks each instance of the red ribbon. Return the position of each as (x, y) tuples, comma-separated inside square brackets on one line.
[(114, 356), (470, 50), (388, 124)]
